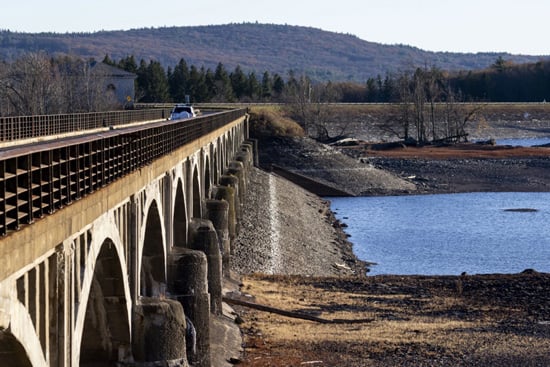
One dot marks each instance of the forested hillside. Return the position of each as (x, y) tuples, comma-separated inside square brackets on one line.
[(278, 49)]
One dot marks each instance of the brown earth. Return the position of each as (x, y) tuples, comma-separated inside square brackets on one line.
[(481, 320), (453, 151)]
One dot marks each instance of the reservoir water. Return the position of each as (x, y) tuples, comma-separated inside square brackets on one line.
[(448, 234), (524, 142)]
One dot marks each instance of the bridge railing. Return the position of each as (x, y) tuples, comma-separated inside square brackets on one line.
[(26, 127), (39, 179)]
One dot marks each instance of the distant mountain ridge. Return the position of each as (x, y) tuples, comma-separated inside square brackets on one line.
[(255, 47)]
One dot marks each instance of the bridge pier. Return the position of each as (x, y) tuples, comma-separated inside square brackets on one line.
[(189, 286), (203, 238), (232, 182), (159, 334), (217, 211), (228, 194)]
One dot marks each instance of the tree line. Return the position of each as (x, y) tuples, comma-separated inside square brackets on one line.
[(154, 83), (426, 99)]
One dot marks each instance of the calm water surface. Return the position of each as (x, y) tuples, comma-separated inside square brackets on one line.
[(450, 233), (524, 142)]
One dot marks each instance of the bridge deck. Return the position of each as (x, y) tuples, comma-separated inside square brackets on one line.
[(37, 179)]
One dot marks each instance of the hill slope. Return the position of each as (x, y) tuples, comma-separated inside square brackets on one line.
[(256, 47)]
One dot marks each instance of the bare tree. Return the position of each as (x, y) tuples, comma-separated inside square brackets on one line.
[(309, 103), (430, 106), (32, 86), (36, 84)]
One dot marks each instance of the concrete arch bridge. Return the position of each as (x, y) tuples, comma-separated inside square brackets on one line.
[(114, 244)]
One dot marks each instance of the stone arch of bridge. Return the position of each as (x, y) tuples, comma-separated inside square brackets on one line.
[(207, 176), (180, 218), (152, 259), (102, 327), (216, 170), (105, 337), (196, 192)]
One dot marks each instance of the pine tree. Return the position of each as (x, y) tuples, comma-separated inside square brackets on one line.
[(267, 86), (152, 83), (223, 92), (179, 82), (254, 87), (239, 82)]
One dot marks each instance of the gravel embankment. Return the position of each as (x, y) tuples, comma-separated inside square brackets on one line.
[(287, 230)]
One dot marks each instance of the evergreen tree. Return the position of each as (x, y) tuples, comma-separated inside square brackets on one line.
[(254, 87), (239, 82), (278, 86), (152, 83), (107, 60), (198, 89), (267, 86), (129, 64), (223, 92), (210, 84), (179, 81)]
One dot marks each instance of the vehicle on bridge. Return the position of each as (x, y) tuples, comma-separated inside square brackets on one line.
[(182, 111)]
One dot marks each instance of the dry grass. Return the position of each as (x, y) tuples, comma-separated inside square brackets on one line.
[(272, 120), (416, 321)]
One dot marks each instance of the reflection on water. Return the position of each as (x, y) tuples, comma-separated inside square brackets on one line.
[(451, 233)]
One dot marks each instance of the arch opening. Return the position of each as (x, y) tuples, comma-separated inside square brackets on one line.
[(196, 195), (106, 333), (153, 275), (180, 219), (12, 352), (207, 176)]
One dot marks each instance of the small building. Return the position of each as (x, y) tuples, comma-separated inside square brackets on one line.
[(117, 81)]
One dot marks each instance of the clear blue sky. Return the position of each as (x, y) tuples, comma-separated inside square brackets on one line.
[(435, 25)]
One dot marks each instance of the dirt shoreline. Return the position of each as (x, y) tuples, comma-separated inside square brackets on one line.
[(468, 320)]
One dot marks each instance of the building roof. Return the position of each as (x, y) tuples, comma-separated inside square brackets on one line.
[(100, 68)]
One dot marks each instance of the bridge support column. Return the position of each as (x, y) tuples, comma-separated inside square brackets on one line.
[(217, 211), (246, 155), (187, 272), (203, 237), (237, 169), (228, 194), (252, 145), (159, 333), (232, 182)]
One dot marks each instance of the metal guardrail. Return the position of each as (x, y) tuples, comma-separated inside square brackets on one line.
[(39, 179), (25, 127)]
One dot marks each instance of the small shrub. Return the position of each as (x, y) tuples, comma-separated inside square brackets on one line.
[(272, 121)]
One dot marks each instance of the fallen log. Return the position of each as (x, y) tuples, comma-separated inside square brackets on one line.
[(293, 314)]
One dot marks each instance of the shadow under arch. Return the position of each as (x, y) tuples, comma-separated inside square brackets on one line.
[(106, 332), (180, 218), (12, 353), (207, 177), (153, 269), (196, 194)]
